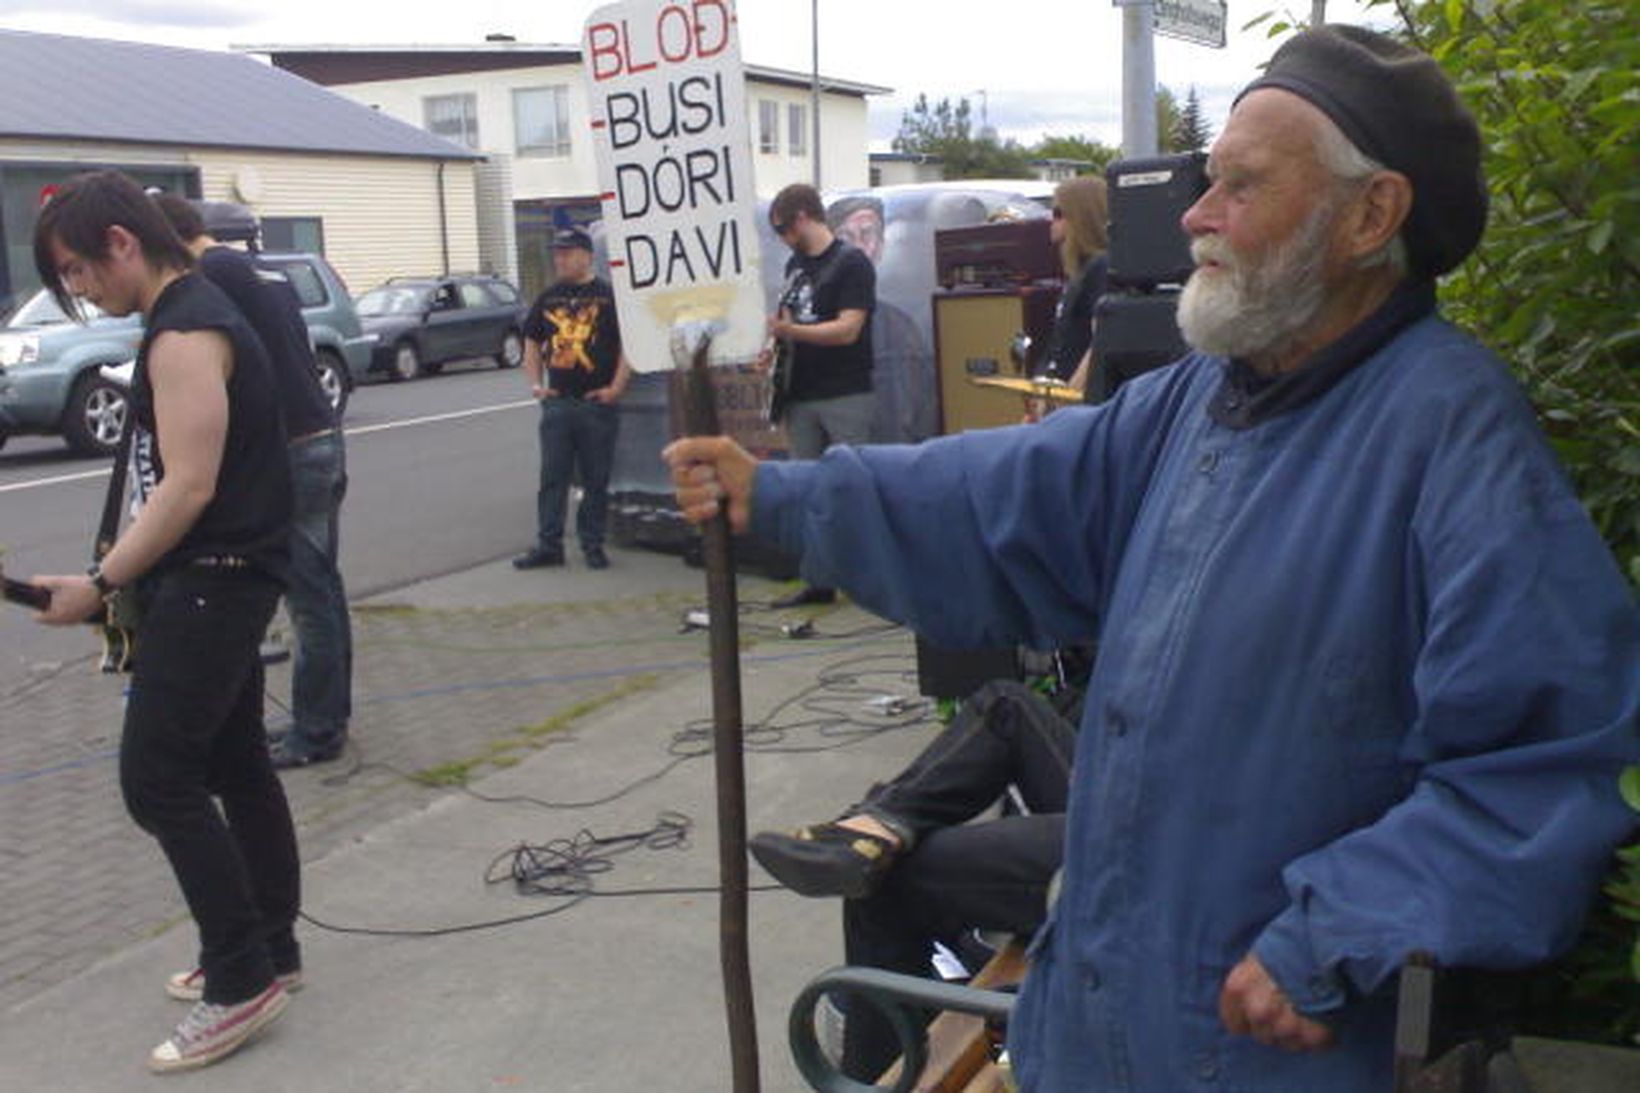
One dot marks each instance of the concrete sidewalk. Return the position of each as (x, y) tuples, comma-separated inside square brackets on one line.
[(610, 993)]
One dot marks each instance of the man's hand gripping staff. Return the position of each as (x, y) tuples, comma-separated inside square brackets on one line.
[(709, 472)]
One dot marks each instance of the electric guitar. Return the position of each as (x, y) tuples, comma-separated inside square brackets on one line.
[(119, 641), (780, 370)]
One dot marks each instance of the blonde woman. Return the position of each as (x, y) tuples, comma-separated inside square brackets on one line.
[(1080, 220)]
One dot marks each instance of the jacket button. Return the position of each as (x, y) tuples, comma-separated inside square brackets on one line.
[(1118, 724), (1207, 1067)]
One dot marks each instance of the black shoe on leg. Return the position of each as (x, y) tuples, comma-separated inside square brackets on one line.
[(805, 597), (539, 558), (825, 860)]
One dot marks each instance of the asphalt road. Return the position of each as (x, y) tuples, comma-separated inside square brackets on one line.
[(442, 477)]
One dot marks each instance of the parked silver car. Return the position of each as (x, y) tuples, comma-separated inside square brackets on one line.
[(50, 378), (51, 381)]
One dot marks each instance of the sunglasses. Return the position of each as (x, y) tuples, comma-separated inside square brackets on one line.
[(781, 227), (1058, 213)]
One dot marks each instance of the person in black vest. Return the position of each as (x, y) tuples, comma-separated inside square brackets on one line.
[(578, 372), (825, 316), (321, 689), (204, 551)]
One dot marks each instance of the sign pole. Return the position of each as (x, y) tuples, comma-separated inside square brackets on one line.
[(666, 91), (1138, 80)]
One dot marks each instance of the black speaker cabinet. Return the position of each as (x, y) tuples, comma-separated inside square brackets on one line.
[(1147, 198), (958, 673), (973, 337), (1132, 335)]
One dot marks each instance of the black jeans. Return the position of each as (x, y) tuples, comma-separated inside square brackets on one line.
[(959, 876), (194, 731)]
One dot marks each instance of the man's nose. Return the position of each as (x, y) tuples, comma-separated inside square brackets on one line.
[(1202, 216)]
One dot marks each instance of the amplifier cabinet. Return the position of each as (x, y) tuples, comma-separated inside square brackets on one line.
[(973, 336), (1010, 252)]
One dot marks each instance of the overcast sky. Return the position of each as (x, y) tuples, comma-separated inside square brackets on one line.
[(1044, 66)]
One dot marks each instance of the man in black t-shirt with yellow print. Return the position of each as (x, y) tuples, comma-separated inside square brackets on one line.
[(573, 357)]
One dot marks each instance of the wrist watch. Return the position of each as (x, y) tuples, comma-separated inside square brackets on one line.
[(102, 584)]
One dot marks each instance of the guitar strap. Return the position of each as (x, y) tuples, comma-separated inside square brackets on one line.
[(108, 529)]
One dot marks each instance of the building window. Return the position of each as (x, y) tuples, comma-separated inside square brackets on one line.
[(768, 125), (541, 121), (303, 234), (797, 129), (453, 117)]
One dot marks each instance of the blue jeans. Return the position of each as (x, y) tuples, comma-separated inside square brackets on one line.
[(193, 731), (322, 677), (575, 434)]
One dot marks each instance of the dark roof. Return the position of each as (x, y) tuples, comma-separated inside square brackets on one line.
[(344, 64), (64, 88)]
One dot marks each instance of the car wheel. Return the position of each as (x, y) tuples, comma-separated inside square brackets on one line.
[(333, 380), (512, 351), (96, 415), (406, 361)]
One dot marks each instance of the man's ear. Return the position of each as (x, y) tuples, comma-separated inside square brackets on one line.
[(1378, 213), (121, 242)]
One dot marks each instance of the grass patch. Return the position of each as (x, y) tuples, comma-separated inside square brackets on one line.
[(499, 754)]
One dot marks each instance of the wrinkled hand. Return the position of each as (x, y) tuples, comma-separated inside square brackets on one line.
[(1252, 1005), (706, 472), (73, 599)]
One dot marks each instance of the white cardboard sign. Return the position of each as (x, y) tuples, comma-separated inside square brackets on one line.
[(667, 92)]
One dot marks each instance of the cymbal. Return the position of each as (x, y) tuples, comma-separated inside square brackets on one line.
[(1056, 390)]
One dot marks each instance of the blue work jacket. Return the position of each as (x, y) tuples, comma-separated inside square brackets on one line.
[(1367, 678)]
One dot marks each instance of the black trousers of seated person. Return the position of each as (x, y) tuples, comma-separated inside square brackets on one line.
[(959, 876)]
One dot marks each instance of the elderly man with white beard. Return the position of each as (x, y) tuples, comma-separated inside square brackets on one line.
[(1367, 674)]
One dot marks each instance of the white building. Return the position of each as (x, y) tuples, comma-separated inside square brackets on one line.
[(524, 107), (375, 196)]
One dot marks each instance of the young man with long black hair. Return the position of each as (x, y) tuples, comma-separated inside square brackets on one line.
[(204, 553)]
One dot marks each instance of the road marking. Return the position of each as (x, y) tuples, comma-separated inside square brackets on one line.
[(55, 480), (432, 418), (454, 415)]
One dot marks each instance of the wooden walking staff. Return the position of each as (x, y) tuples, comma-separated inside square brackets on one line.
[(666, 91), (691, 342)]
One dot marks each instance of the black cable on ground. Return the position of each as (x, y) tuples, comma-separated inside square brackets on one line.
[(565, 869)]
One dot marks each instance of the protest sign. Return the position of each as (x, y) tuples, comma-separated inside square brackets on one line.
[(667, 93)]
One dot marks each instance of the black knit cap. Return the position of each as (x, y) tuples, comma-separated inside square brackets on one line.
[(1397, 106)]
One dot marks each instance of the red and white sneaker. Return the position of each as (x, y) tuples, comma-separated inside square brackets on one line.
[(210, 1031), (190, 986)]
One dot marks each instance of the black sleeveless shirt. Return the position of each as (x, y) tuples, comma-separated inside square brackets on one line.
[(249, 515)]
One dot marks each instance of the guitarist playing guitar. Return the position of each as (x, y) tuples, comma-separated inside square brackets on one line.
[(208, 545), (823, 393)]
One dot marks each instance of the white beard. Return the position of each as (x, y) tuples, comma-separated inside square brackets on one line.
[(1246, 308)]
